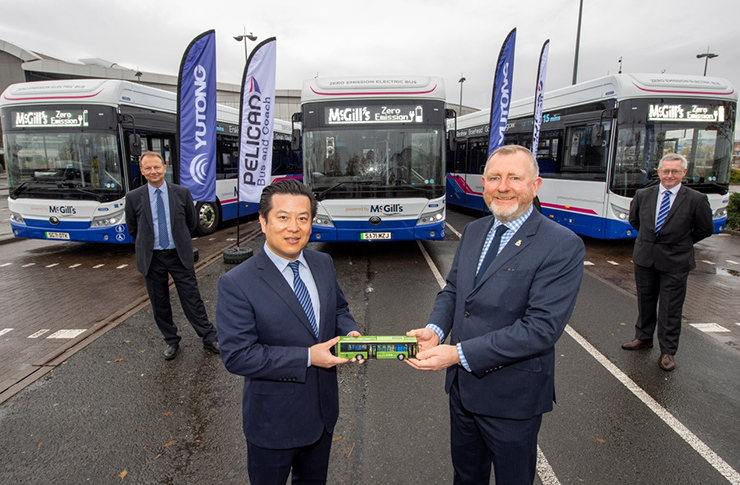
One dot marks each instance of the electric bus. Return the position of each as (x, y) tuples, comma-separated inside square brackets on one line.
[(374, 155), (398, 347), (602, 140), (70, 151)]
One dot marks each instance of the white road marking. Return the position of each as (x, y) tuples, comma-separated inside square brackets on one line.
[(75, 265), (452, 229), (27, 265), (437, 275), (98, 266), (708, 262), (690, 438), (122, 266), (731, 261), (6, 330), (39, 333), (5, 264), (709, 327), (588, 263), (51, 265), (612, 262), (67, 333)]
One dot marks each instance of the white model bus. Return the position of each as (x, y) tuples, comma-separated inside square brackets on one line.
[(68, 153), (374, 155), (601, 140)]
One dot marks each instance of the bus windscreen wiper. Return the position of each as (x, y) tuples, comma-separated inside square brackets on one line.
[(320, 195), (16, 191)]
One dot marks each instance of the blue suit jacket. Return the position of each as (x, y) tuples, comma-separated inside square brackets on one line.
[(264, 335), (508, 324)]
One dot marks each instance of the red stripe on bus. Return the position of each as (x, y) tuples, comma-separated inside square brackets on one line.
[(682, 92), (54, 97), (373, 94), (569, 208)]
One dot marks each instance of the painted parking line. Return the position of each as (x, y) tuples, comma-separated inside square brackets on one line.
[(75, 265), (731, 261), (51, 265), (39, 333), (588, 263), (67, 333), (122, 266), (708, 262), (28, 265), (709, 327), (613, 263), (5, 264), (98, 266), (6, 330)]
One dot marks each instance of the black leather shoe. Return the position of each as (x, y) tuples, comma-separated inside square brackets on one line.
[(667, 362), (638, 344), (171, 351), (212, 346)]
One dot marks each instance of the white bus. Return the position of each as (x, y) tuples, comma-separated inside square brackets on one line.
[(374, 155), (601, 140), (68, 153)]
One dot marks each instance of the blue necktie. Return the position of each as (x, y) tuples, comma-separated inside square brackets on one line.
[(665, 206), (491, 253), (164, 239), (303, 296)]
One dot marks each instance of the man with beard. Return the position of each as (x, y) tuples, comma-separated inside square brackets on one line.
[(509, 294)]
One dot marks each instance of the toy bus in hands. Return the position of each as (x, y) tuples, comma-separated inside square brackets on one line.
[(378, 347)]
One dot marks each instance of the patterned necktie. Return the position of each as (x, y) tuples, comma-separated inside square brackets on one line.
[(303, 296), (665, 206), (164, 239), (491, 253)]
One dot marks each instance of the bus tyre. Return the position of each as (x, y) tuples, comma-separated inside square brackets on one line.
[(359, 357), (401, 356), (208, 216), (196, 255), (237, 255)]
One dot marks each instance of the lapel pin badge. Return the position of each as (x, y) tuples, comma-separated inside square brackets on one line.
[(518, 243)]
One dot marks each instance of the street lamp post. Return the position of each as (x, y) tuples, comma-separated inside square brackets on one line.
[(707, 55), (245, 38), (578, 43), (461, 81)]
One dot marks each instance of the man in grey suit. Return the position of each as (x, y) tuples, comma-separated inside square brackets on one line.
[(160, 218), (509, 294), (670, 218), (279, 315)]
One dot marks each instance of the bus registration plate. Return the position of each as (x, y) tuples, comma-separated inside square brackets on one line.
[(369, 236), (57, 235)]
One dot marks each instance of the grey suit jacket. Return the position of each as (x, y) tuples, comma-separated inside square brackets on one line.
[(264, 335), (689, 221), (509, 322), (140, 227)]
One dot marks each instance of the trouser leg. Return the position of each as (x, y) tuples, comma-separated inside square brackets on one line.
[(647, 281), (672, 296), (157, 285)]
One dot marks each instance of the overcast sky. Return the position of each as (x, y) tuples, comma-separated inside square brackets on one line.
[(345, 37)]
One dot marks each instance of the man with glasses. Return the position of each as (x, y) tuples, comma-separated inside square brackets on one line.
[(670, 218), (160, 218)]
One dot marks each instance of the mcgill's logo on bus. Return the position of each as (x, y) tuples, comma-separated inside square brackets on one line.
[(62, 209), (387, 208)]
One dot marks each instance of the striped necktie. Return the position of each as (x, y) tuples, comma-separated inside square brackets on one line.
[(303, 297), (164, 238), (665, 206)]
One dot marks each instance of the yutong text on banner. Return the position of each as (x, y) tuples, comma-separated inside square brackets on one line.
[(501, 99), (196, 117)]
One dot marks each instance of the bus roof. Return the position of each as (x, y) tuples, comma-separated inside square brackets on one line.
[(370, 87), (616, 86)]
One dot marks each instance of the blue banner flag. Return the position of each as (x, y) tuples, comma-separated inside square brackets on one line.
[(539, 97), (501, 99), (196, 117), (256, 117)]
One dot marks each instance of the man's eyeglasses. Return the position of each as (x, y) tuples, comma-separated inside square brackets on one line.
[(670, 172)]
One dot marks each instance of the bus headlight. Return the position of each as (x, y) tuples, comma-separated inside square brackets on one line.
[(323, 221), (17, 218), (431, 217), (622, 214), (720, 213), (109, 219)]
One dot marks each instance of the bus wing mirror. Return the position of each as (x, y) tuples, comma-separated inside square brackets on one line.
[(134, 145), (295, 139), (451, 141), (597, 136)]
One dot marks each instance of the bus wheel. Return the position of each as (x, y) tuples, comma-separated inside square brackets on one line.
[(207, 214), (401, 356), (360, 357)]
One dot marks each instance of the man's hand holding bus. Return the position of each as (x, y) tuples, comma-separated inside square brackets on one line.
[(432, 356), (321, 355)]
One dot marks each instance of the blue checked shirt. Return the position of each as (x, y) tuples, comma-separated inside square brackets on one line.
[(513, 227)]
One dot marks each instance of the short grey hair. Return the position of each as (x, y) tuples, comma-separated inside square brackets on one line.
[(513, 150), (672, 157)]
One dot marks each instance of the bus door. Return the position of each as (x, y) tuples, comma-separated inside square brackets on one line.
[(456, 177), (475, 165)]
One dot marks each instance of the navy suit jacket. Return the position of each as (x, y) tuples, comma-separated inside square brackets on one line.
[(509, 322), (689, 221), (139, 224), (264, 335)]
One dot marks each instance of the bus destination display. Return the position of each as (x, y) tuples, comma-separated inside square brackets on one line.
[(686, 112), (360, 115), (71, 118)]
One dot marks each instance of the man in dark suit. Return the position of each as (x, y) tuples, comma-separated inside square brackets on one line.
[(670, 219), (279, 314), (160, 218), (509, 294)]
